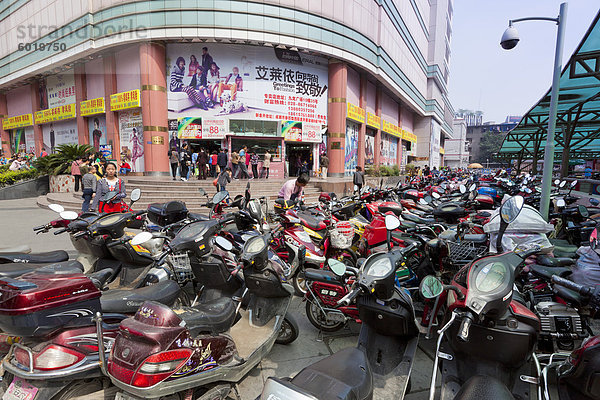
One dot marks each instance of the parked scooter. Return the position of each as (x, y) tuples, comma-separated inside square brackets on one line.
[(380, 366)]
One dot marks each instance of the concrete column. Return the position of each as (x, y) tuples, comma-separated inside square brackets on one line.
[(80, 95), (37, 129), (377, 158), (112, 118), (4, 136), (363, 127), (336, 117), (399, 152), (154, 107)]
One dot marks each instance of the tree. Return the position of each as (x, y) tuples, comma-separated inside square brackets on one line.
[(491, 142)]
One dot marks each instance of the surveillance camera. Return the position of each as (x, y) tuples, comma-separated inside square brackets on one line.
[(510, 38)]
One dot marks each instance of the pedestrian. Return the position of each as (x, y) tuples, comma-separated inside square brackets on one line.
[(109, 183), (202, 163), (294, 188), (16, 164), (185, 161), (247, 161), (88, 186), (213, 164), (101, 167), (254, 163), (324, 165), (266, 164), (222, 159), (359, 178), (235, 159), (194, 166), (223, 179), (242, 163), (174, 160)]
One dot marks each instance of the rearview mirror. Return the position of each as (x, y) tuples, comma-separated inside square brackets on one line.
[(562, 184), (435, 195), (422, 201), (427, 199), (141, 238), (583, 211), (472, 187), (573, 183), (57, 208), (135, 194), (391, 222), (557, 182), (202, 192), (594, 201), (337, 267), (463, 188), (220, 196), (511, 209), (561, 203), (69, 215), (223, 243), (431, 287)]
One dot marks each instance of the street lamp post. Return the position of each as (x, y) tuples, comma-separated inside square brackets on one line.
[(509, 40)]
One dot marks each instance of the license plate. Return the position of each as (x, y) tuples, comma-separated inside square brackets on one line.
[(125, 396), (336, 317), (20, 390)]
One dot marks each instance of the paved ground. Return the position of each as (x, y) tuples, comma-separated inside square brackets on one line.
[(18, 217)]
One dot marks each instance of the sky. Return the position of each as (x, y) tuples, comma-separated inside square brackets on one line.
[(485, 77)]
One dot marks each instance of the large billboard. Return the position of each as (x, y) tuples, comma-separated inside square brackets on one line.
[(225, 81), (131, 136), (57, 133)]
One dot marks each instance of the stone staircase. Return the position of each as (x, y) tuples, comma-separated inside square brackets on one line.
[(163, 189)]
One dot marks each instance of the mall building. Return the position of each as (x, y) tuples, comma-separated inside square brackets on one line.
[(362, 81)]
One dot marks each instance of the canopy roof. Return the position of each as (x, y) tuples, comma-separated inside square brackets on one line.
[(578, 113)]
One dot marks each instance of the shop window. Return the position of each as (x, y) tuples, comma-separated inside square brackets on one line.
[(260, 146), (247, 126)]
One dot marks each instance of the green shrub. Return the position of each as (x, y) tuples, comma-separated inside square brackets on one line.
[(410, 169), (60, 162), (372, 170), (4, 168), (386, 170), (11, 177)]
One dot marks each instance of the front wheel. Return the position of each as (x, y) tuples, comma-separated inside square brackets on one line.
[(319, 320), (289, 330), (299, 283)]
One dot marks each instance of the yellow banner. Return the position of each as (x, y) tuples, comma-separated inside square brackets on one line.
[(411, 137), (373, 120), (59, 113), (390, 128), (18, 121), (355, 113), (92, 106), (125, 100), (442, 151)]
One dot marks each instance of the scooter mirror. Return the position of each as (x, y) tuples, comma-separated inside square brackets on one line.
[(391, 222), (562, 184), (511, 209), (557, 182), (202, 192), (135, 194), (583, 211), (337, 267), (141, 238), (422, 201), (69, 215), (574, 183), (594, 201), (561, 203), (435, 195), (472, 187), (594, 239), (109, 196), (431, 287), (443, 185), (223, 243), (220, 196), (463, 189), (527, 190), (57, 208), (427, 199)]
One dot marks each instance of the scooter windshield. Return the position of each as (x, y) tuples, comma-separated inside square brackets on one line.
[(193, 235)]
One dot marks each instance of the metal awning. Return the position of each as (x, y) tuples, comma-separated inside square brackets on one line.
[(578, 116)]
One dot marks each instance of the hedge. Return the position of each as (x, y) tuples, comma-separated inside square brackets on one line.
[(11, 177)]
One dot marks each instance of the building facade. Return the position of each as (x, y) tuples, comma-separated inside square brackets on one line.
[(476, 133), (457, 150), (364, 82)]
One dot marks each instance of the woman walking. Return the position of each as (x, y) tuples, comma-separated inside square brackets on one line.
[(223, 179)]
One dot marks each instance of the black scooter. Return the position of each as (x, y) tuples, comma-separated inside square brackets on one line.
[(380, 365)]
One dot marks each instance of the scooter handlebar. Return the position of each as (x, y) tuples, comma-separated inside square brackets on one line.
[(59, 231), (465, 325), (583, 290), (349, 298)]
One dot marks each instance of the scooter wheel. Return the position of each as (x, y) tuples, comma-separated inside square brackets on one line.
[(319, 320), (299, 284), (289, 330)]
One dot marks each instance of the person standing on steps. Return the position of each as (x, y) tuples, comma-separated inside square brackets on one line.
[(254, 163), (76, 172), (185, 161), (202, 164), (324, 165), (174, 161), (223, 179), (242, 163), (266, 165), (359, 178), (222, 159), (247, 163), (235, 159), (88, 186), (213, 164)]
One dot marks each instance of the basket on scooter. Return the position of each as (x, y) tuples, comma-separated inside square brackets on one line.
[(342, 235)]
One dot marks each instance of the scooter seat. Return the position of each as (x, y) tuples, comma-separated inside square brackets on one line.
[(213, 316), (312, 221), (48, 257), (14, 270), (483, 387), (127, 301), (543, 259), (546, 272), (417, 219), (396, 209), (479, 238), (320, 275), (15, 249), (345, 375), (198, 217)]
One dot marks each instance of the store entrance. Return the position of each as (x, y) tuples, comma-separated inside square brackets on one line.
[(208, 145), (299, 158)]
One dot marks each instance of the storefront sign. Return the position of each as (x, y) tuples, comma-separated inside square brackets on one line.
[(158, 140), (18, 121), (442, 151), (92, 107), (373, 121), (189, 128), (125, 100), (408, 136), (60, 90), (106, 150), (355, 113), (60, 113), (252, 83), (390, 128), (295, 131), (132, 140)]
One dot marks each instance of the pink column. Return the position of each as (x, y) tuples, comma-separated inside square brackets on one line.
[(80, 95), (363, 127), (336, 117), (154, 107), (37, 129), (4, 136), (399, 152), (112, 118), (377, 158)]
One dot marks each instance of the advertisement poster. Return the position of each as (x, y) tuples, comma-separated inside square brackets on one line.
[(351, 150), (222, 81), (106, 150), (294, 131), (60, 89), (369, 150), (30, 140), (434, 146), (189, 128), (17, 141), (97, 129), (389, 150), (132, 140), (57, 133)]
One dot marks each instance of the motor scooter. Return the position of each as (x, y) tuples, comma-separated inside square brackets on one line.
[(379, 366)]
